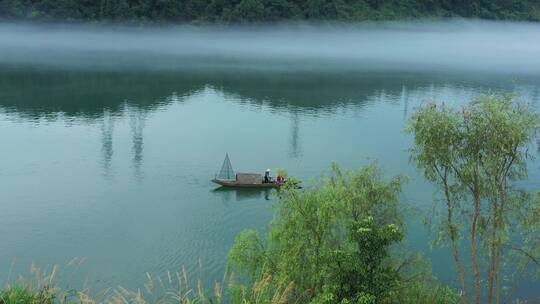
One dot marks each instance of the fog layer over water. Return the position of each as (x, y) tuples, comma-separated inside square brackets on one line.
[(452, 45), (109, 136)]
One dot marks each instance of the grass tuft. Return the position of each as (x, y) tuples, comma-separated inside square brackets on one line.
[(17, 294)]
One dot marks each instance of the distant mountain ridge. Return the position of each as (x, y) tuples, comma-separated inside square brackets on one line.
[(238, 11)]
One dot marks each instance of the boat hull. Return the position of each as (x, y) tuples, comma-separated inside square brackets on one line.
[(235, 184)]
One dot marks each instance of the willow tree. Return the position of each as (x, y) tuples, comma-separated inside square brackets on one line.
[(333, 243), (475, 156)]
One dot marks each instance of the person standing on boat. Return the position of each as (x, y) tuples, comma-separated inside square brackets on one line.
[(267, 177)]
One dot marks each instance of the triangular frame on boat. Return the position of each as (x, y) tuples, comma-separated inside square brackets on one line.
[(226, 172)]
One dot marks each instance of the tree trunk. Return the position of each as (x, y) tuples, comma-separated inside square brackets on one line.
[(474, 248), (497, 281), (453, 240), (500, 224), (493, 252)]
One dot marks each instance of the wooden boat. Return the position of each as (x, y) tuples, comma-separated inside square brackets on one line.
[(227, 178), (237, 184)]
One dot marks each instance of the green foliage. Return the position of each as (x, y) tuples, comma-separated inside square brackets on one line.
[(476, 155), (15, 294), (11, 8), (248, 253), (328, 244), (265, 10), (249, 10), (429, 292), (362, 275)]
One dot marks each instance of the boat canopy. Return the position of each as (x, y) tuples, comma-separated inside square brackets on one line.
[(226, 172), (249, 178)]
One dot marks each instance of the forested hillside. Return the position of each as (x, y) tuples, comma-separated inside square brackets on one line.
[(229, 11)]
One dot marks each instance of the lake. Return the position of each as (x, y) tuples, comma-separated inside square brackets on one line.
[(109, 137)]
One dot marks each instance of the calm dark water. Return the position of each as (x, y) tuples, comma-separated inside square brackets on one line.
[(113, 165)]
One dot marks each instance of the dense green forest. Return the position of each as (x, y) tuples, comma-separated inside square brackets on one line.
[(233, 11)]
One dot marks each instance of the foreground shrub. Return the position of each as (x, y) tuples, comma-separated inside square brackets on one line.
[(332, 243)]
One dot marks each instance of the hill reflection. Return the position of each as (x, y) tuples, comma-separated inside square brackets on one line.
[(35, 93)]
